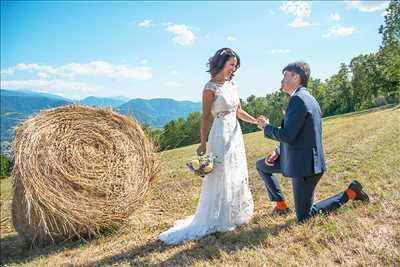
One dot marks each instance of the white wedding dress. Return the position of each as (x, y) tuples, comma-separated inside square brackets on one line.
[(225, 199)]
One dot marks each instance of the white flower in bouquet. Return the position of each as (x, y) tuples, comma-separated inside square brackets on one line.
[(202, 165)]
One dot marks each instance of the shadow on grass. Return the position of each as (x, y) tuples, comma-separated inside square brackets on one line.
[(207, 248), (14, 250)]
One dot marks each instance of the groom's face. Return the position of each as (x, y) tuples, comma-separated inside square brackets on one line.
[(290, 81)]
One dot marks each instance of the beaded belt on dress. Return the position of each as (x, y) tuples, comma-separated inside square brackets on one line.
[(224, 113)]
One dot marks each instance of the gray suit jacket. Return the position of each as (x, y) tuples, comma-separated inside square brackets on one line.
[(300, 136)]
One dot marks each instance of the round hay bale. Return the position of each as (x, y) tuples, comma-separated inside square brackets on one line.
[(78, 170)]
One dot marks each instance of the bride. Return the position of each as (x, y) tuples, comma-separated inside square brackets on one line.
[(225, 199)]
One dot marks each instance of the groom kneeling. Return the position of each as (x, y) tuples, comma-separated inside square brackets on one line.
[(300, 153)]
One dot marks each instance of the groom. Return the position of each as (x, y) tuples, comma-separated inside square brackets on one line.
[(300, 153)]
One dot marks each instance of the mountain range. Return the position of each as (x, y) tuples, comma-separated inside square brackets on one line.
[(16, 106)]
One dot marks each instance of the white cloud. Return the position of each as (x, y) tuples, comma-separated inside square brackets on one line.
[(8, 71), (367, 6), (231, 38), (144, 62), (44, 69), (102, 68), (94, 68), (55, 86), (43, 75), (299, 23), (183, 34), (335, 16), (145, 23), (280, 51), (339, 31), (300, 10), (297, 8)]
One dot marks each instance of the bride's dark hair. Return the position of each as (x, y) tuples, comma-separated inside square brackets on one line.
[(217, 62)]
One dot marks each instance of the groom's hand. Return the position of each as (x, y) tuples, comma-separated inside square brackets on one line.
[(271, 158)]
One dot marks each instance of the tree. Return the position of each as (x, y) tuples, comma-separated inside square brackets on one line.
[(388, 67), (181, 132), (152, 133), (272, 105), (192, 128), (389, 53), (339, 96), (391, 29), (5, 166), (318, 89)]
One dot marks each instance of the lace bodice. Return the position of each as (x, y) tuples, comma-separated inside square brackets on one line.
[(226, 96)]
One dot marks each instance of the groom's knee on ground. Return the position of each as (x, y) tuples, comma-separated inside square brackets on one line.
[(260, 164)]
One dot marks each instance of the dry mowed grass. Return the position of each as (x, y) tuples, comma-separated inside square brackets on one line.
[(364, 146)]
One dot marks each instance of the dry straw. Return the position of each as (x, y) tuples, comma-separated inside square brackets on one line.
[(78, 170)]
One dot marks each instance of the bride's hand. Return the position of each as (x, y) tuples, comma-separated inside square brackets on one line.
[(201, 150)]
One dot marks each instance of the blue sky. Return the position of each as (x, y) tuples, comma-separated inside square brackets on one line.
[(160, 49)]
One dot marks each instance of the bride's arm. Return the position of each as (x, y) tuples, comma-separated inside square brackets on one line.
[(208, 98), (244, 116)]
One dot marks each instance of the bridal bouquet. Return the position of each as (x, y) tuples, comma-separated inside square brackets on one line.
[(202, 165)]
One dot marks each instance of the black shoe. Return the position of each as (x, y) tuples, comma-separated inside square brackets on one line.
[(360, 194), (280, 212)]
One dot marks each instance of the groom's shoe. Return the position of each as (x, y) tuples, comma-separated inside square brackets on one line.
[(282, 208), (356, 187), (280, 212)]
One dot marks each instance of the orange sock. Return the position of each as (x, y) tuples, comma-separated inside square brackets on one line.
[(281, 205), (350, 194)]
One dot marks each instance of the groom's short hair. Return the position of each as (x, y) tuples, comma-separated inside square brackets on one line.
[(300, 68)]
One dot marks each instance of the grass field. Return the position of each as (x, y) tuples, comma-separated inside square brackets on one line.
[(364, 146)]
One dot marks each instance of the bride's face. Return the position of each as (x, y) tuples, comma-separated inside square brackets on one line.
[(230, 67)]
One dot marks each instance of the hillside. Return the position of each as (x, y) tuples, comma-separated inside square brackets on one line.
[(359, 145), (102, 101), (5, 92), (18, 105), (16, 108), (159, 111)]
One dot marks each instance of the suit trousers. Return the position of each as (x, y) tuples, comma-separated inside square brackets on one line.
[(303, 192)]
